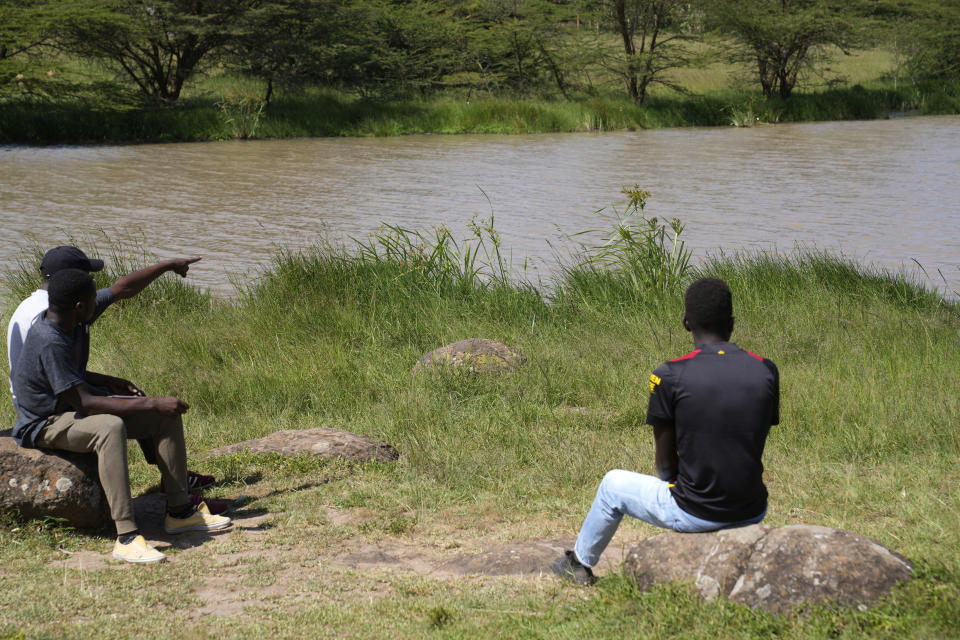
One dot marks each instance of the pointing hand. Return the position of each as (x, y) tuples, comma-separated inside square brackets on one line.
[(180, 266)]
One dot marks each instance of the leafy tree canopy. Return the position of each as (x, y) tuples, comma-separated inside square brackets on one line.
[(783, 37), (157, 45)]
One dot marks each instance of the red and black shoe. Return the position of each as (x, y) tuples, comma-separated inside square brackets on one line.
[(216, 507), (198, 481), (195, 482)]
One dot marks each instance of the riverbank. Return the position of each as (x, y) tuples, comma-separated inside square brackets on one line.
[(319, 113), (868, 442)]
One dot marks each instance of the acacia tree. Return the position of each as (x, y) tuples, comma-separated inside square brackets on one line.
[(784, 37), (289, 42), (923, 35), (522, 44), (157, 44), (376, 47), (415, 45), (23, 27), (655, 41)]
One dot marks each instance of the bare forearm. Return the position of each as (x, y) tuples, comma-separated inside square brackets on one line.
[(667, 471), (665, 455), (118, 406), (667, 463), (115, 385), (133, 283), (81, 399)]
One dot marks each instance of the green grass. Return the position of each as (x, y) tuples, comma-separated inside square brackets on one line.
[(220, 106), (321, 113), (868, 441)]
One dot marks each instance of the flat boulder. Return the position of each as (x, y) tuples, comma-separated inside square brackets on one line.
[(322, 442), (475, 355), (515, 559), (39, 483), (772, 568)]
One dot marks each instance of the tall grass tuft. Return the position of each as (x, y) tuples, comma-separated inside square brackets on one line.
[(439, 258), (638, 260)]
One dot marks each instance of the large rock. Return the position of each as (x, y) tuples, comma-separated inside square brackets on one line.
[(322, 442), (473, 355), (38, 483), (774, 568)]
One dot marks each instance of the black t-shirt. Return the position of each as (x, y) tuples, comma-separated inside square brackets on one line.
[(721, 401)]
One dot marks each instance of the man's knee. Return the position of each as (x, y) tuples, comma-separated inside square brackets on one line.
[(173, 425), (111, 428), (104, 431), (154, 426), (616, 480)]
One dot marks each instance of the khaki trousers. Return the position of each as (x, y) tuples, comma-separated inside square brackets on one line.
[(106, 435)]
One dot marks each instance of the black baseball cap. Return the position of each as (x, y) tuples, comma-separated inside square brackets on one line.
[(60, 258)]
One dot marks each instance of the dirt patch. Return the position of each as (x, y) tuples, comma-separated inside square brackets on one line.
[(294, 569), (521, 558), (393, 556), (259, 575), (149, 510), (230, 595)]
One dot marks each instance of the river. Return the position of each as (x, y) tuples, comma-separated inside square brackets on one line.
[(884, 192)]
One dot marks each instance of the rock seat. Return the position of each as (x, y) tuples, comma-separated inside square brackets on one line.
[(39, 483), (773, 568)]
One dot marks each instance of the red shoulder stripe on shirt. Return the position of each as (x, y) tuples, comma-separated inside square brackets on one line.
[(753, 354), (688, 356)]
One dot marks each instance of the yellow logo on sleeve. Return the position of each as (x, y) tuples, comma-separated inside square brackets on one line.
[(654, 381)]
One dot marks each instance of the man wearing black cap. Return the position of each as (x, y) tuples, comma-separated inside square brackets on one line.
[(58, 408), (67, 257)]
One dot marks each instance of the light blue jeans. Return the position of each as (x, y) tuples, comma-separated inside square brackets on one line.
[(643, 497)]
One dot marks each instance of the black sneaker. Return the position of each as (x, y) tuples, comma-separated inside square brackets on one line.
[(569, 568)]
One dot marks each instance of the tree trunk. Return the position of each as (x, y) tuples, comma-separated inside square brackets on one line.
[(766, 79), (519, 57), (630, 72), (555, 70)]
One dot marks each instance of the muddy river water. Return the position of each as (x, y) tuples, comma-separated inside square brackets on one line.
[(884, 192)]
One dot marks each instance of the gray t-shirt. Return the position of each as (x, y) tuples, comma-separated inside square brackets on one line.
[(46, 368), (28, 312)]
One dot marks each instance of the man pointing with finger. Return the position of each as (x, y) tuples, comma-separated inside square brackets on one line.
[(127, 286), (58, 407)]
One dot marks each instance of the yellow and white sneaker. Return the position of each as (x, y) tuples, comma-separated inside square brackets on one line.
[(137, 550), (200, 520)]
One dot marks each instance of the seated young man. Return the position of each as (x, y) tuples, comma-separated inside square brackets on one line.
[(57, 408), (710, 411), (66, 257)]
